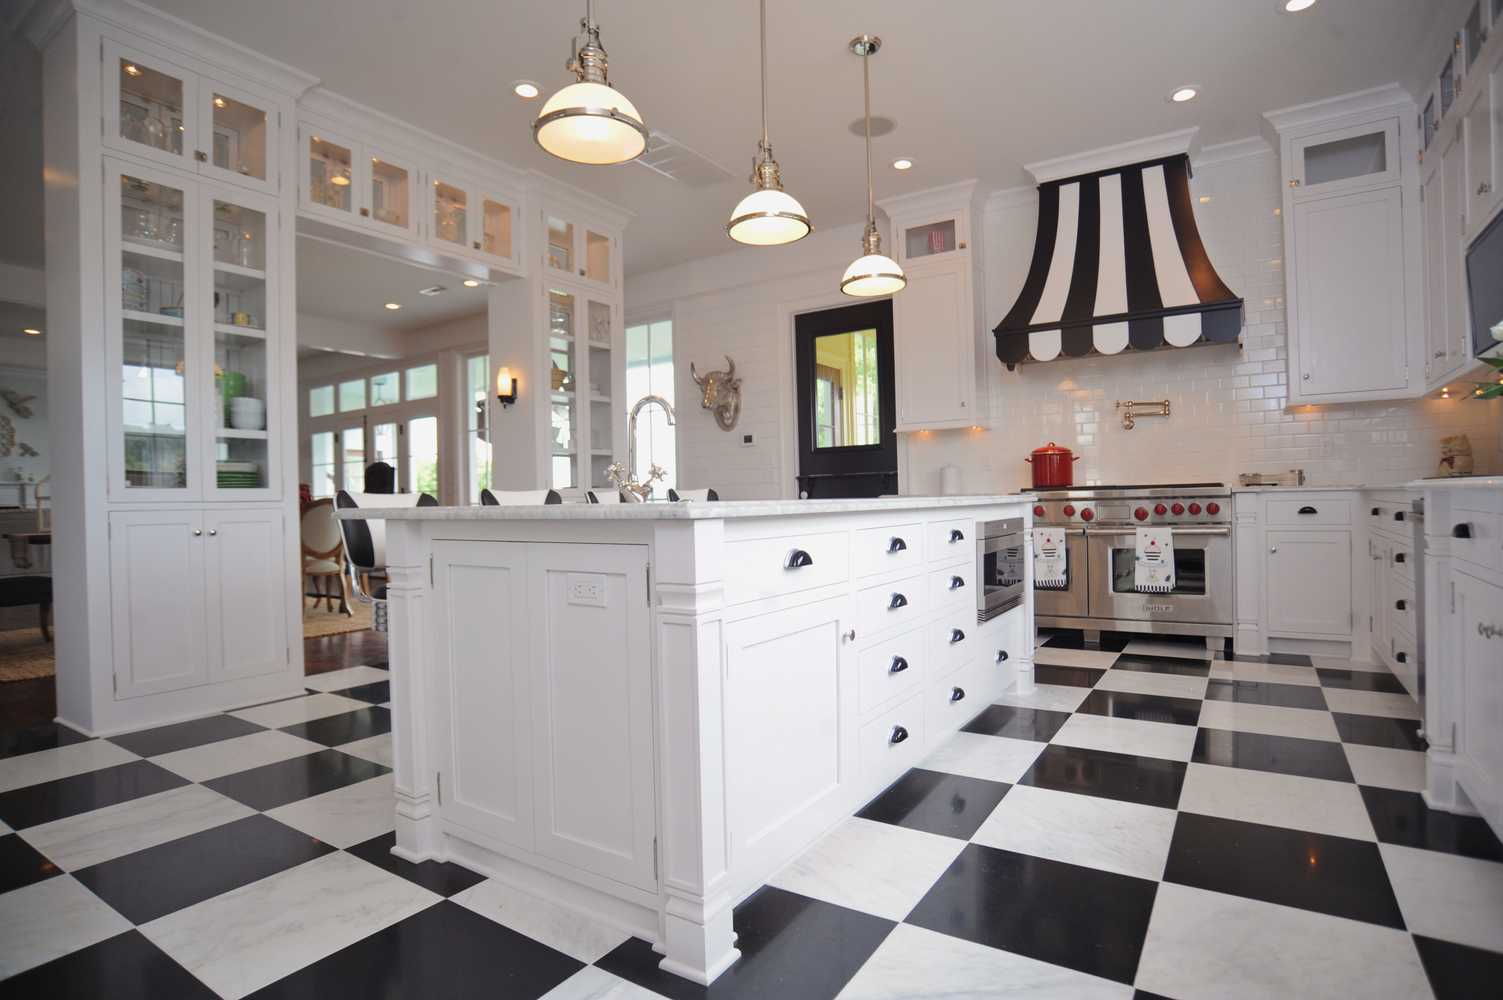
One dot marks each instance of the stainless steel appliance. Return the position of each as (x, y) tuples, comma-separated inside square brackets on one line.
[(1099, 594), (1001, 565)]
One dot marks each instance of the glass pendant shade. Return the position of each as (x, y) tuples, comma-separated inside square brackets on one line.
[(873, 274), (768, 218), (589, 122)]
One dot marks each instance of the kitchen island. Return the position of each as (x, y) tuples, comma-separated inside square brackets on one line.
[(643, 711)]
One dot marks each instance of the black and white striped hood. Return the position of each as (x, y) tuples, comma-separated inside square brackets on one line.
[(1118, 263)]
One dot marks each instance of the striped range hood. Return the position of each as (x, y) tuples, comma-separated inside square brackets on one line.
[(1118, 264)]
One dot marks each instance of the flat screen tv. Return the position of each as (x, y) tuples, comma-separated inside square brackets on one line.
[(1484, 282)]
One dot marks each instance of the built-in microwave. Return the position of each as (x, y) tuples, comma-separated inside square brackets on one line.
[(1001, 567), (1484, 281)]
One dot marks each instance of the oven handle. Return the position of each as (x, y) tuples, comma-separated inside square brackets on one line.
[(1119, 532)]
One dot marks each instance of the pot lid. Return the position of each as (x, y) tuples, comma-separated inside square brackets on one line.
[(1052, 449)]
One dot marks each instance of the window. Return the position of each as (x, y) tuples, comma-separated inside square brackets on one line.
[(385, 389), (352, 395), (649, 370), (846, 398), (422, 455), (352, 443), (321, 401), (422, 382), (477, 432), (384, 448), (321, 450)]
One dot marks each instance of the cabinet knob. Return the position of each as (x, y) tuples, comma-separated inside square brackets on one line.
[(1375, 512), (200, 156), (1400, 605), (896, 544), (197, 532), (1484, 188), (897, 601), (1399, 557), (1438, 354), (899, 734), (797, 559), (1294, 182), (1306, 376), (899, 664), (850, 635), (1273, 548), (1401, 657), (213, 532), (1463, 530), (1398, 515), (957, 694), (365, 213)]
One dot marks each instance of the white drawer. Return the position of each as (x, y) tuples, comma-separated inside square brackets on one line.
[(1405, 659), (1001, 640), (953, 539), (952, 642), (1400, 610), (891, 669), (890, 605), (1477, 537), (894, 740), (953, 585), (1315, 510), (767, 567), (952, 703), (887, 549), (1401, 558)]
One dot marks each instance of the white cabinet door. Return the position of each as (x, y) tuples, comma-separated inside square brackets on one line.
[(1438, 345), (482, 731), (591, 693), (934, 346), (157, 601), (1485, 91), (1476, 649), (1348, 299), (1308, 582), (1381, 556), (245, 591), (1453, 178)]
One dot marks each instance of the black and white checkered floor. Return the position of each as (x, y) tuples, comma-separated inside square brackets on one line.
[(1146, 822)]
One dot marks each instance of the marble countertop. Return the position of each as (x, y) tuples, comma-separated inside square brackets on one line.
[(1395, 487), (1460, 483), (680, 511)]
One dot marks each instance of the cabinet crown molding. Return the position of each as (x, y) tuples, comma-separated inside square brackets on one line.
[(1388, 97), (561, 193), (961, 194), (1153, 147)]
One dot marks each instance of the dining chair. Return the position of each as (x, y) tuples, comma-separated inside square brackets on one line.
[(365, 545), (519, 498), (606, 496), (701, 496), (323, 555)]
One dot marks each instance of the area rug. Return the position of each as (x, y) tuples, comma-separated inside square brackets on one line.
[(318, 622), (25, 655)]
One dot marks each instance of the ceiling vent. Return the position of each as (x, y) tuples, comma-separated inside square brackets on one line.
[(432, 290), (667, 156)]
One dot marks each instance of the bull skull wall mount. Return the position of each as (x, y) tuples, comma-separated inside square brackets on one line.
[(722, 393)]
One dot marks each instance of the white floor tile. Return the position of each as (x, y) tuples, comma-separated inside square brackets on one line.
[(76, 842), (591, 983), (346, 816), (1154, 647), (244, 939), (1264, 673), (877, 868), (214, 760), (1141, 682), (1164, 740), (373, 748), (1059, 656), (1053, 697), (295, 710), (1313, 804), (338, 680), (917, 962), (1390, 706), (993, 758), (60, 762), (49, 919), (1208, 944), (1122, 837), (560, 928), (4, 827), (1448, 896), (1270, 720), (1386, 767)]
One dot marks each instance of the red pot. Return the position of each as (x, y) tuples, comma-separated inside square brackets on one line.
[(1053, 467)]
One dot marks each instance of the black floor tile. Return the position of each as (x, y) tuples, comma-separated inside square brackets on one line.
[(1048, 673), (21, 864), (70, 796), (166, 878), (1035, 724), (1283, 659), (1458, 971), (273, 785), (442, 877), (948, 804), (1177, 665), (375, 692), (182, 735), (1145, 995), (1143, 707), (1370, 730), (792, 948), (1081, 918), (1312, 871), (1360, 680), (43, 737), (346, 727), (444, 951), (1127, 778), (1261, 693), (124, 967), (1280, 754), (1403, 818)]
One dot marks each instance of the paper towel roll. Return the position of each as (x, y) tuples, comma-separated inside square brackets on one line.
[(949, 480)]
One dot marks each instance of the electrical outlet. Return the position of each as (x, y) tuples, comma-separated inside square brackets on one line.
[(586, 589), (748, 440)]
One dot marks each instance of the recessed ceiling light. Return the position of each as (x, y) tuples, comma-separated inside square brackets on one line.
[(1183, 94), (902, 163), (525, 89), (31, 331), (471, 283), (1205, 199), (1295, 6), (393, 305)]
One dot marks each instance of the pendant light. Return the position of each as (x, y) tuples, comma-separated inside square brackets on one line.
[(769, 216), (873, 273), (589, 121)]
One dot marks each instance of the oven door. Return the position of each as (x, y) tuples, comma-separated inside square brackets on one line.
[(1202, 593), (1002, 565), (1070, 602)]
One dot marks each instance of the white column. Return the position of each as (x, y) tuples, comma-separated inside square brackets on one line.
[(407, 592)]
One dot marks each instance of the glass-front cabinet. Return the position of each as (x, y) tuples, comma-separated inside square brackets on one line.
[(930, 237), (357, 183), (1345, 159), (469, 219), (579, 251), (583, 336), (189, 332)]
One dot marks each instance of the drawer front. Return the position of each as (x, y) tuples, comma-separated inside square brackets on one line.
[(767, 567), (952, 703), (1311, 511), (1001, 640), (951, 540), (1401, 558), (953, 586), (887, 549), (1405, 660), (1483, 544), (890, 605), (894, 741), (891, 669), (952, 642), (1400, 608)]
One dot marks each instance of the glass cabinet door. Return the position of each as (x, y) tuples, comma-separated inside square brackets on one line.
[(563, 428), (389, 192), (597, 257), (560, 251), (1346, 158), (146, 106), (451, 214), (601, 340), (329, 185), (495, 237), (930, 239), (238, 137)]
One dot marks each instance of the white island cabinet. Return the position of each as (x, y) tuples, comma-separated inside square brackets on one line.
[(644, 711)]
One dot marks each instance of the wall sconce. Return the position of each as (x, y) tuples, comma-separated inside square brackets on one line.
[(506, 387)]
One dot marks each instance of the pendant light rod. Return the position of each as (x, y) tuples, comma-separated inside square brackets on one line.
[(866, 85), (873, 273), (763, 6), (769, 216)]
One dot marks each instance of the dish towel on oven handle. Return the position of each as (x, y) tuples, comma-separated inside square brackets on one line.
[(1050, 558), (1153, 572)]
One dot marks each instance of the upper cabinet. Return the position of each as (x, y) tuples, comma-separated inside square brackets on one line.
[(470, 219), (159, 110), (932, 238), (1481, 125), (356, 182), (580, 251), (1345, 159)]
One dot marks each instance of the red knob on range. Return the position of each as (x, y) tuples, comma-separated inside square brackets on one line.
[(1069, 510), (1088, 515), (1195, 508), (1038, 510), (1141, 514), (1213, 508), (1178, 509), (1160, 509)]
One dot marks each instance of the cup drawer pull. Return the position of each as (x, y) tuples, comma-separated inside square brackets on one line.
[(957, 694), (956, 635), (1308, 510), (1001, 656), (899, 734), (956, 535), (797, 559), (897, 601), (899, 664), (896, 544), (956, 582)]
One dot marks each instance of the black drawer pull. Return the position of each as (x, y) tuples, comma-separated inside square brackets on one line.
[(1001, 656), (898, 665), (1401, 657), (1308, 510), (956, 636), (1462, 530), (896, 544), (1398, 515), (1399, 557), (897, 601), (956, 535), (899, 734), (798, 558), (956, 694), (1401, 605), (1375, 512), (956, 583)]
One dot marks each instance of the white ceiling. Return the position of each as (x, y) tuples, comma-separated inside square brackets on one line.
[(352, 286)]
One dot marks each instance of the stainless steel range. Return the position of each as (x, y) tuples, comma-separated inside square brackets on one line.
[(1099, 592)]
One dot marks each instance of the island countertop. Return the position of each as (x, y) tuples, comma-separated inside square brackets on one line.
[(683, 510)]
